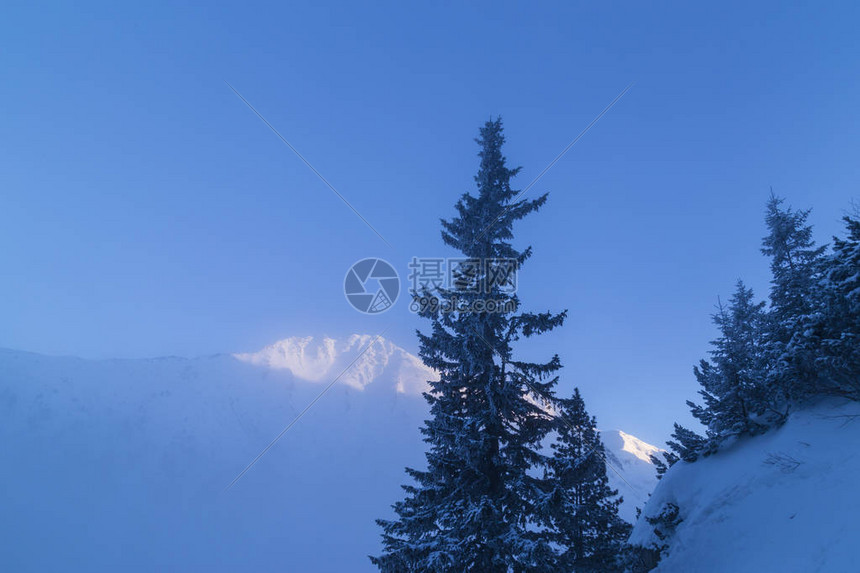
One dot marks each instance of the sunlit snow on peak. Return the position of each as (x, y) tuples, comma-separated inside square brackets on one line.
[(358, 360), (630, 469), (637, 447)]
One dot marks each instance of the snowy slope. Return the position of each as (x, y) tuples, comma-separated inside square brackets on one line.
[(786, 501), (121, 465), (629, 469)]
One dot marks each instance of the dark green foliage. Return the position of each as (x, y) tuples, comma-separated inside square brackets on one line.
[(767, 360), (803, 344), (733, 390), (829, 337), (581, 508), (796, 267), (663, 465), (474, 507), (666, 521), (687, 444), (659, 465)]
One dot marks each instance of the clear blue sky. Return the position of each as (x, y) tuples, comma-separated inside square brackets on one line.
[(144, 210)]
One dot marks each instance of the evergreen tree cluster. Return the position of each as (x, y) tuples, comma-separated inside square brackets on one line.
[(775, 355), (582, 508), (771, 356), (493, 497)]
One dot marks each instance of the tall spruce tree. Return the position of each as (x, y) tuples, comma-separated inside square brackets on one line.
[(732, 381), (796, 264), (831, 332), (473, 508), (582, 509)]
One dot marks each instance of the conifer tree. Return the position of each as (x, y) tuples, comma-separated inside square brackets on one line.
[(688, 445), (473, 507), (732, 385), (795, 267), (662, 466), (831, 332), (581, 507)]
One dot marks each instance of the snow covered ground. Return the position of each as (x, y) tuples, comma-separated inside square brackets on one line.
[(121, 465), (786, 501)]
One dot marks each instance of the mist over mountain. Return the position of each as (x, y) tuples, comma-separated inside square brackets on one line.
[(124, 464)]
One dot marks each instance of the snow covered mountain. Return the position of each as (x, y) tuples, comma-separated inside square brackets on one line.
[(124, 464), (629, 469), (784, 501), (320, 360)]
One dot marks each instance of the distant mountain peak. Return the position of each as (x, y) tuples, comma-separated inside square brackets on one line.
[(637, 447), (630, 470), (620, 441), (321, 359)]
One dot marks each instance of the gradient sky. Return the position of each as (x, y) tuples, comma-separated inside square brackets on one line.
[(144, 209)]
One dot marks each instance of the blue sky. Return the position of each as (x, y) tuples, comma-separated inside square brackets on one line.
[(144, 210)]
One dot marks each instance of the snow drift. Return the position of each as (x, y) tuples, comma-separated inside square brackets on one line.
[(784, 501)]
